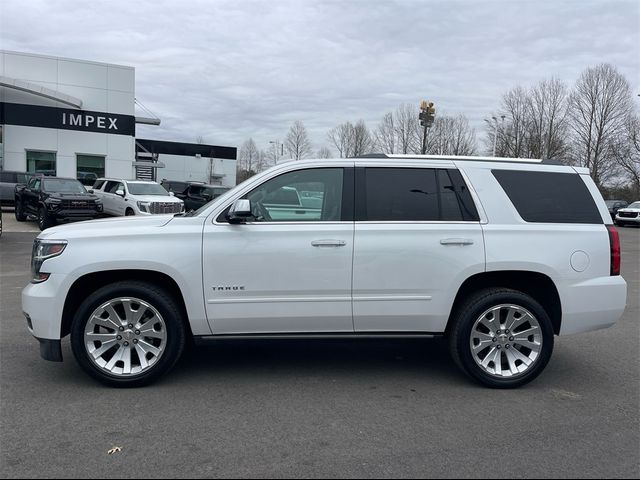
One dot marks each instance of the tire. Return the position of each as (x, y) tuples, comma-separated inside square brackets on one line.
[(20, 216), (44, 220), (129, 213), (472, 326), (160, 348)]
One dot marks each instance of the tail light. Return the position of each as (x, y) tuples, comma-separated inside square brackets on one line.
[(614, 243)]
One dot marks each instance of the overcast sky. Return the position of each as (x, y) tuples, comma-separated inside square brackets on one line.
[(230, 70)]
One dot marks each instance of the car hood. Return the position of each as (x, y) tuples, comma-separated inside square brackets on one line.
[(106, 227), (630, 210), (155, 198)]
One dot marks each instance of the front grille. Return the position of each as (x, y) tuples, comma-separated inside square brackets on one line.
[(78, 205), (628, 214), (166, 207)]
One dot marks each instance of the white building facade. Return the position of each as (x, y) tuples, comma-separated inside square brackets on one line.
[(76, 118)]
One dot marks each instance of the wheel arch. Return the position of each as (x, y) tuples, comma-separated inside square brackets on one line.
[(89, 283), (538, 285)]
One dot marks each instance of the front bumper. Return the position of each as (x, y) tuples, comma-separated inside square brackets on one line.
[(73, 215), (635, 219), (42, 304)]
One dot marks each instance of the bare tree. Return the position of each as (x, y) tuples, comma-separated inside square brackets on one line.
[(341, 137), (599, 108), (362, 140), (451, 136), (385, 134), (324, 152), (407, 127), (513, 137), (547, 120), (297, 142), (248, 161), (626, 151)]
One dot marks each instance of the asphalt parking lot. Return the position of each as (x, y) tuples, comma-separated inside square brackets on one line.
[(321, 409)]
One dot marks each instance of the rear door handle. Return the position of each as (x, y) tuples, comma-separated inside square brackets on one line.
[(456, 241), (328, 243)]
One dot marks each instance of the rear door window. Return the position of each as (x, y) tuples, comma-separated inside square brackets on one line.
[(414, 194), (549, 197)]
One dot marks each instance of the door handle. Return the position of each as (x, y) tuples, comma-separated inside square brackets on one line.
[(456, 241), (328, 243)]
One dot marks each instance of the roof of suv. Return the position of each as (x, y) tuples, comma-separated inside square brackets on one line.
[(111, 179)]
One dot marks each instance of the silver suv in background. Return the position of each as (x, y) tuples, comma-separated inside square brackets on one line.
[(8, 182), (135, 197)]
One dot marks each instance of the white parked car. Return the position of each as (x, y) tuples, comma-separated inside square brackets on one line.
[(628, 215), (135, 197), (498, 255)]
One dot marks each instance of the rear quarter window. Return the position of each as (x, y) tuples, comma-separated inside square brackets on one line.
[(549, 197)]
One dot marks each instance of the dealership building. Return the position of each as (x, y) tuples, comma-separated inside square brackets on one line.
[(74, 118)]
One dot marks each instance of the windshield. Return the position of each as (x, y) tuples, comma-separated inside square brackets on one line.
[(63, 186), (634, 205), (146, 189), (611, 203)]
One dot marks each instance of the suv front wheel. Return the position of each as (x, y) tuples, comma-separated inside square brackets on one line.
[(128, 334), (502, 338)]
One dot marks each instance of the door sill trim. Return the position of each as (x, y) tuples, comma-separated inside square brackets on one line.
[(314, 336)]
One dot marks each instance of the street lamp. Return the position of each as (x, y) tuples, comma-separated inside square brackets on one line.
[(495, 127), (426, 116)]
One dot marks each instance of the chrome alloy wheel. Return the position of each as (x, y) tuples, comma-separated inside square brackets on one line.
[(125, 336), (506, 340)]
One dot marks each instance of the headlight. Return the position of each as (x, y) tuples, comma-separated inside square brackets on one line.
[(53, 203), (43, 250), (144, 206)]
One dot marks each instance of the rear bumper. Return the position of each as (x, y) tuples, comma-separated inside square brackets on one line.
[(593, 305)]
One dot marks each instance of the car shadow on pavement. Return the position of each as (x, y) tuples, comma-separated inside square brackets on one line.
[(349, 357)]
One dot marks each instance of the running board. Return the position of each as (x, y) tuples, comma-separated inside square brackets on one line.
[(315, 336)]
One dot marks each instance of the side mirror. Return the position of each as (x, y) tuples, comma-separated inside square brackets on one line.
[(91, 191), (171, 194), (120, 193), (240, 211)]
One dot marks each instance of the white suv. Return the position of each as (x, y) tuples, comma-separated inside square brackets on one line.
[(135, 197), (498, 255), (629, 215)]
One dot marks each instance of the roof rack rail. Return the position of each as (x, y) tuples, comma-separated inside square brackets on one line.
[(466, 158)]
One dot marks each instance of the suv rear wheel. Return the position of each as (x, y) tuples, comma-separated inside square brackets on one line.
[(502, 338), (128, 334)]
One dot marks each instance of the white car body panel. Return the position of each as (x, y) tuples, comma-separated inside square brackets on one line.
[(388, 276), (405, 279), (126, 243)]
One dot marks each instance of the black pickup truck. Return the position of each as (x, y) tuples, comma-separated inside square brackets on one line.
[(55, 199)]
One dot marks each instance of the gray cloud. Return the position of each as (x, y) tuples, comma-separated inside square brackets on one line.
[(228, 70)]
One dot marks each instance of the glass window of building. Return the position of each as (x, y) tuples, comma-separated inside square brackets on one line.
[(89, 168), (41, 162)]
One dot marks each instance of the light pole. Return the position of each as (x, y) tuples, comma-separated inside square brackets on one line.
[(426, 116), (495, 130)]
